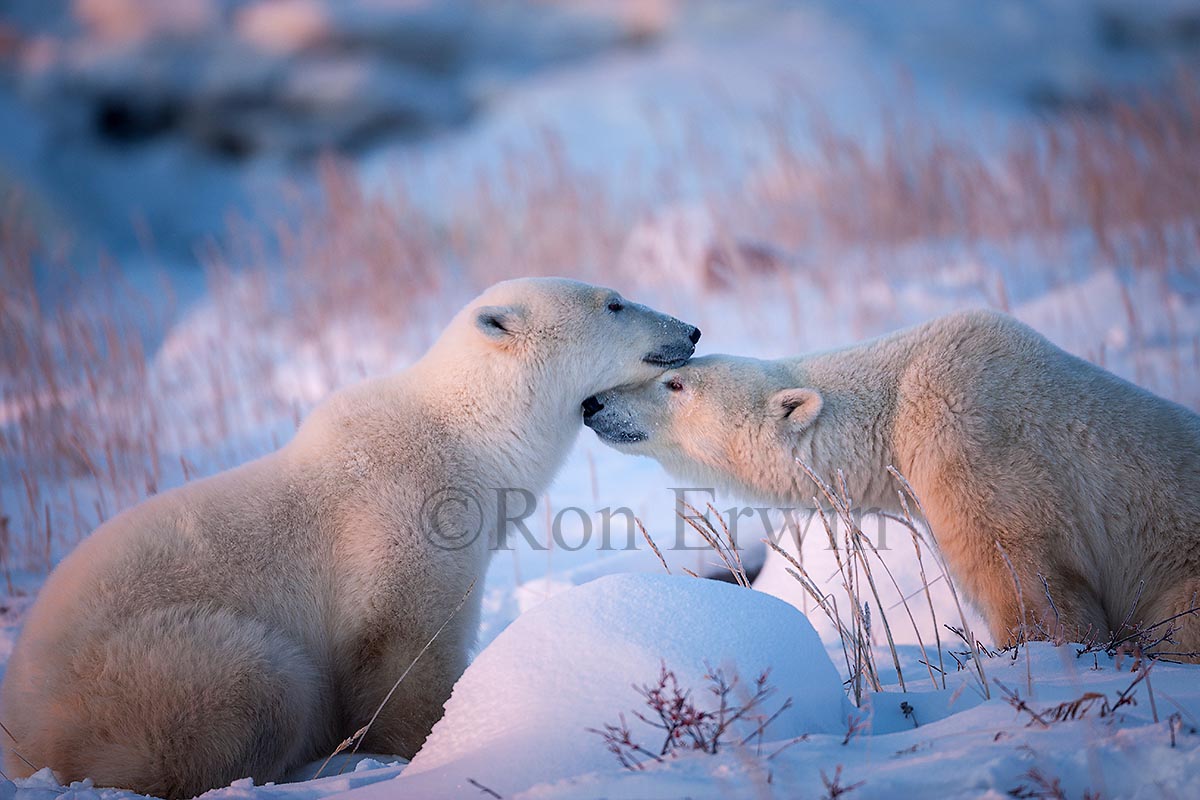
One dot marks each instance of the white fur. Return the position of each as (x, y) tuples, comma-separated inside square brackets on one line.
[(1082, 477), (244, 624)]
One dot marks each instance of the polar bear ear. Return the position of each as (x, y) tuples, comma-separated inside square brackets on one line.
[(499, 323), (797, 408)]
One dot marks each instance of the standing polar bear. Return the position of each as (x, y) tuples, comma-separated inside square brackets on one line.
[(1082, 477), (244, 624)]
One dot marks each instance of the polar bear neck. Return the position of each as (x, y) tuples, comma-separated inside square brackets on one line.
[(522, 425), (854, 433)]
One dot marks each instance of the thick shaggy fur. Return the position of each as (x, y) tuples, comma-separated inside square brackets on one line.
[(1082, 477), (244, 624)]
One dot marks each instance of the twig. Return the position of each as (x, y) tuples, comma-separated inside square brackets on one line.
[(962, 614), (357, 738), (484, 789), (653, 546), (1024, 634), (28, 763)]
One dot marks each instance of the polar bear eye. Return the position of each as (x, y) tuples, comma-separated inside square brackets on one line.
[(674, 385), (615, 305)]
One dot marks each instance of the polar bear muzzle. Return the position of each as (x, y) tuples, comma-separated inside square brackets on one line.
[(675, 354), (612, 421)]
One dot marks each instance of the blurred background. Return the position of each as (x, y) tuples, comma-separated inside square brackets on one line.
[(214, 212)]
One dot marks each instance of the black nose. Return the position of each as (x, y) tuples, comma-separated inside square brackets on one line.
[(694, 335), (591, 406)]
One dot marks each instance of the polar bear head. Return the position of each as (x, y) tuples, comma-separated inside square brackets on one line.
[(567, 337), (722, 420)]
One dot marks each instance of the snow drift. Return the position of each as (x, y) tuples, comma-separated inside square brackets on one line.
[(520, 715)]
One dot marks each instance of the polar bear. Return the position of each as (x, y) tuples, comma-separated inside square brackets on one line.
[(1082, 477), (245, 624)]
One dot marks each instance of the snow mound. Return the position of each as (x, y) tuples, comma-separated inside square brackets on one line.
[(520, 715)]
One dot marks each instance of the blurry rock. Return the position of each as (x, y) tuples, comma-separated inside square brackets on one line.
[(293, 78), (1130, 31), (131, 118)]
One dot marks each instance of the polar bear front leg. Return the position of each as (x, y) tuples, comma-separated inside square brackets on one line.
[(176, 701), (1001, 570), (418, 703), (391, 652)]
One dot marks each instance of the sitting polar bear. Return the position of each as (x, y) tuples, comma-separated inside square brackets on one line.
[(1082, 477), (245, 624)]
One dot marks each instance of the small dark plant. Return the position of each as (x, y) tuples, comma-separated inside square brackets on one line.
[(833, 786), (855, 724), (1153, 641), (1079, 707), (684, 725), (1040, 786)]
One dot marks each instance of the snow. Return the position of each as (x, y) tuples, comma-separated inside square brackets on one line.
[(953, 745), (342, 775), (557, 652), (629, 91), (519, 716), (516, 721)]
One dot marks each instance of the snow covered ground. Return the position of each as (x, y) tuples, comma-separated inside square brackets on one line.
[(645, 128), (523, 721)]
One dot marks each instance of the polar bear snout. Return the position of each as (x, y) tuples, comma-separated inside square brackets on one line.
[(613, 421), (676, 353), (591, 406)]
